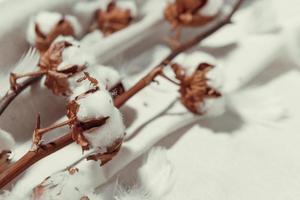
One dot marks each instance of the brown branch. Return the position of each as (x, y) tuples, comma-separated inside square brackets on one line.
[(32, 157), (12, 94)]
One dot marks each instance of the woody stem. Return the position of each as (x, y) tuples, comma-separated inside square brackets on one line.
[(40, 132), (32, 157)]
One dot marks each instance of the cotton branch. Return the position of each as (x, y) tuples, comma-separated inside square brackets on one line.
[(32, 157), (12, 94)]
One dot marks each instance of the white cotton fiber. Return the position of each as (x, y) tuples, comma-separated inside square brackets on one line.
[(69, 39), (212, 107), (74, 55), (7, 142), (91, 38), (78, 88), (47, 21), (190, 62), (95, 105), (216, 78), (108, 133), (211, 8), (130, 5), (106, 75), (75, 24)]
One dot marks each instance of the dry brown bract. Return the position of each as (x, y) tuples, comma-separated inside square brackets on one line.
[(194, 89), (186, 13), (111, 152), (43, 41), (57, 80), (79, 127), (113, 19)]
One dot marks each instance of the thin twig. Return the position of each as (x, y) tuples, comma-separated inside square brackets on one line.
[(12, 94), (32, 157)]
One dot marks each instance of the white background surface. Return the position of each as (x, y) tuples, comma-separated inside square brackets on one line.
[(255, 156)]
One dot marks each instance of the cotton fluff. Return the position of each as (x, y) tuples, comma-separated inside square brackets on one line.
[(95, 105), (107, 78), (215, 78), (105, 74), (155, 178), (63, 185), (190, 63), (211, 8), (105, 135), (46, 22), (91, 38), (6, 141), (73, 55)]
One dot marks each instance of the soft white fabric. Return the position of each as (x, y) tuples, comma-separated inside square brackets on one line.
[(229, 157)]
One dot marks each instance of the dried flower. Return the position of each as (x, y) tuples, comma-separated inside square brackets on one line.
[(189, 12), (201, 79), (194, 89), (58, 64), (45, 27), (97, 124), (116, 17)]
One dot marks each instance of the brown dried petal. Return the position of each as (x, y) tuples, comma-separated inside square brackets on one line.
[(78, 137), (43, 42), (113, 19), (53, 56), (72, 109), (58, 83), (194, 89), (185, 13), (112, 151)]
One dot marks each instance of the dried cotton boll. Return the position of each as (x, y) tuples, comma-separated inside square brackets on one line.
[(190, 63), (201, 80), (117, 16), (94, 106), (64, 59), (46, 26), (188, 12), (105, 136)]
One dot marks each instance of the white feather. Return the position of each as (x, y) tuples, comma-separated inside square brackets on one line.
[(155, 178), (28, 63)]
